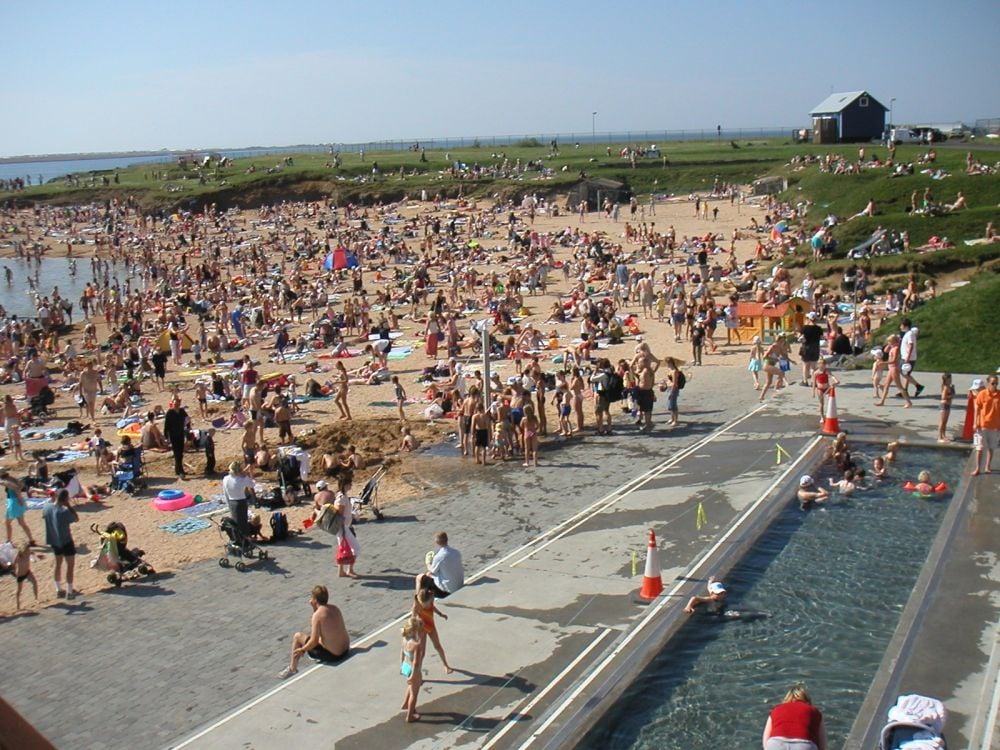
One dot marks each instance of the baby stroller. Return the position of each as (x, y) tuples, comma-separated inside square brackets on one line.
[(915, 722), (369, 496), (290, 465), (238, 544), (116, 558), (41, 401)]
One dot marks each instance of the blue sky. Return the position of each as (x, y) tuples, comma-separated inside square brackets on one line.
[(106, 76)]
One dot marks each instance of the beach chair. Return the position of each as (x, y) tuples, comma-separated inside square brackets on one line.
[(131, 478)]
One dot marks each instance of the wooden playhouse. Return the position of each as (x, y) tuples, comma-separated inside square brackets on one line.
[(769, 321)]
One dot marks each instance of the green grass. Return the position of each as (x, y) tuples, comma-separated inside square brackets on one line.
[(960, 330)]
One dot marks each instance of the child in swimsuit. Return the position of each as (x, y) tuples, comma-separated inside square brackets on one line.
[(22, 571)]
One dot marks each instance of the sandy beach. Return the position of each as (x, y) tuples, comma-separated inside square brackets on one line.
[(375, 428)]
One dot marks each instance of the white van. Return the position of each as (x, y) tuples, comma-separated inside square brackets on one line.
[(903, 135)]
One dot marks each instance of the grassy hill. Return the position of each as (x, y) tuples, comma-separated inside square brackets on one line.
[(959, 331)]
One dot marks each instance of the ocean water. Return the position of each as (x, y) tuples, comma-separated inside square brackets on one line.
[(18, 298)]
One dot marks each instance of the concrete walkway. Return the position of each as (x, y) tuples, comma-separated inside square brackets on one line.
[(546, 617)]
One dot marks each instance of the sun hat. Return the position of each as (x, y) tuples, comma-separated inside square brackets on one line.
[(806, 480), (716, 588), (977, 384), (321, 484), (811, 315)]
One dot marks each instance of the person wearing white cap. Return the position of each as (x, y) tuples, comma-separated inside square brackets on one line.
[(716, 595), (809, 492)]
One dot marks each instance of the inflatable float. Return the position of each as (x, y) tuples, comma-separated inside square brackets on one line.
[(173, 500), (925, 489)]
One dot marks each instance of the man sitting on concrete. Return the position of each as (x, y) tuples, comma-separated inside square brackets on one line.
[(327, 640)]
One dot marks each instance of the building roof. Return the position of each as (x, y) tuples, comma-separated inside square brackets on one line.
[(839, 102)]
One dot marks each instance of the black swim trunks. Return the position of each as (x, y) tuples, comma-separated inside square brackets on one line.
[(482, 438), (66, 550), (321, 654), (644, 400)]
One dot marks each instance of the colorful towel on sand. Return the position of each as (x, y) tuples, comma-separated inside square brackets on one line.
[(400, 353), (208, 508), (185, 526), (307, 399)]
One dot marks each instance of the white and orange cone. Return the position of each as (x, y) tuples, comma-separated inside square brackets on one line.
[(831, 424), (652, 579)]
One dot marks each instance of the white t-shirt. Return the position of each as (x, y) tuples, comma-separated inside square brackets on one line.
[(446, 569), (908, 346), (234, 488)]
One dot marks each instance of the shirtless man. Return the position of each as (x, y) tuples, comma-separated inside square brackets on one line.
[(327, 640), (481, 434), (465, 421), (644, 395), (90, 383)]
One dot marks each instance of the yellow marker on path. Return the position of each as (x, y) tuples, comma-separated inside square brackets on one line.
[(634, 564), (779, 452), (700, 518)]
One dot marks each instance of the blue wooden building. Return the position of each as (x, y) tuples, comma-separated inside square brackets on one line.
[(848, 116)]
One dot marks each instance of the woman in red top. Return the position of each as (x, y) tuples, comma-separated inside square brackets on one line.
[(795, 724), (823, 381)]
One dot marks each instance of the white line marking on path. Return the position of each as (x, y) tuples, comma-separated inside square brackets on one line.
[(620, 494), (613, 496), (667, 599), (515, 718)]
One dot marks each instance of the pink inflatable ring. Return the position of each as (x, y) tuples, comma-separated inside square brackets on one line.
[(173, 500)]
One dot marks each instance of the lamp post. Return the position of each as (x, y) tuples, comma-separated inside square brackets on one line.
[(593, 129), (891, 121)]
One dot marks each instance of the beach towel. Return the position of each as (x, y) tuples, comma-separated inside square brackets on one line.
[(211, 507), (307, 399), (184, 526), (400, 353)]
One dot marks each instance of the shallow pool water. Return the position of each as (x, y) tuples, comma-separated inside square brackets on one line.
[(834, 581)]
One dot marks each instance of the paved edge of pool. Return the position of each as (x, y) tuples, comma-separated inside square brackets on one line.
[(918, 638), (597, 698)]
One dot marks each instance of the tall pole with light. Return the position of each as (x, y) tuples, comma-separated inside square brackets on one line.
[(892, 123), (593, 129)]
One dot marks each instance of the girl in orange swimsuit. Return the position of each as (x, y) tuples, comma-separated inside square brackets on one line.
[(423, 608)]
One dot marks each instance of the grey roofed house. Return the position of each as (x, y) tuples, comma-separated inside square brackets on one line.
[(848, 116)]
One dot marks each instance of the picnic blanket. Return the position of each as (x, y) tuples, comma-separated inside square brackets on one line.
[(400, 353), (184, 526), (214, 506)]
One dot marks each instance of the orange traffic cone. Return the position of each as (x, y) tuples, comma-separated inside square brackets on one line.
[(969, 428), (831, 425), (652, 582)]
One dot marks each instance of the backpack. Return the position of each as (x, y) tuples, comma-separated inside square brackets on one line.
[(615, 388), (279, 526), (681, 380)]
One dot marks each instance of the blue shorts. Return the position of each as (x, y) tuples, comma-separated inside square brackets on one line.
[(672, 401)]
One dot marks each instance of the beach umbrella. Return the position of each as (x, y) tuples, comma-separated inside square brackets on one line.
[(328, 262)]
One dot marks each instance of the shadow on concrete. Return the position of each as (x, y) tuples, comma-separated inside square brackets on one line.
[(140, 590), (75, 607), (401, 582), (19, 615), (397, 519), (496, 681), (483, 579)]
